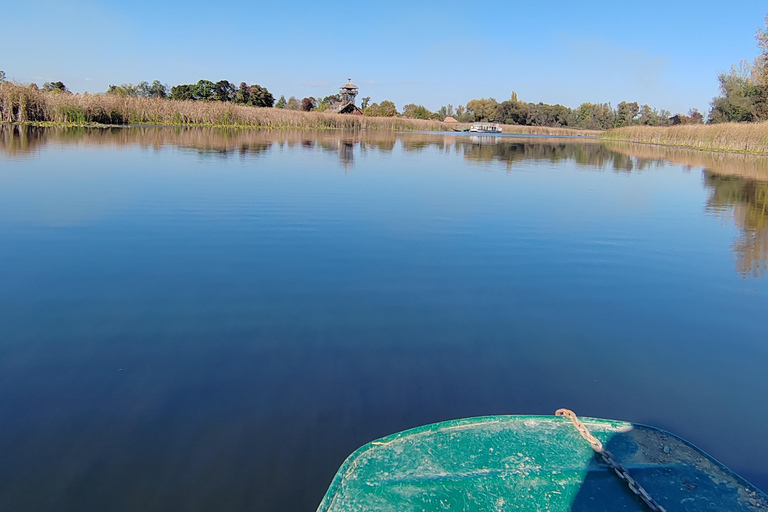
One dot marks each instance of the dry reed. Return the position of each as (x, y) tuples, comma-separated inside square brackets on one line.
[(742, 137), (19, 104)]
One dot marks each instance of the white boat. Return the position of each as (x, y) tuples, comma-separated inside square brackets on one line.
[(485, 128)]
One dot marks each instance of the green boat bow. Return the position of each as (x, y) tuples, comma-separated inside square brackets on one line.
[(532, 463)]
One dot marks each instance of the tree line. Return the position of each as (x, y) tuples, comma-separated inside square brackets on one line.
[(586, 116), (744, 90)]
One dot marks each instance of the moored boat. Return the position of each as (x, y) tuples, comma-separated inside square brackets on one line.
[(534, 463), (485, 128)]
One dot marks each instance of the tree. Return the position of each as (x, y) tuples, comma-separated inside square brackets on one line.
[(204, 90), (385, 109), (157, 90), (254, 95), (595, 116), (513, 112), (121, 90), (739, 96), (142, 89), (696, 116), (54, 87), (2, 76), (761, 63), (414, 111), (761, 72), (308, 104), (225, 91), (744, 91), (626, 114), (652, 117), (293, 104), (462, 115), (281, 102), (483, 109), (693, 117), (330, 100), (261, 97), (183, 92), (365, 102)]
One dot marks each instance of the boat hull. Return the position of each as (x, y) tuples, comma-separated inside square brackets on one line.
[(532, 463)]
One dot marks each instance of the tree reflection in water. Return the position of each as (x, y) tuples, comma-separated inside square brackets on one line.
[(747, 200), (738, 182)]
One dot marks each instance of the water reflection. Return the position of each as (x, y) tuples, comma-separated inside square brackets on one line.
[(747, 201), (738, 181)]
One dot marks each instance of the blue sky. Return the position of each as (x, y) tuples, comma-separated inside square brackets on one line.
[(663, 53)]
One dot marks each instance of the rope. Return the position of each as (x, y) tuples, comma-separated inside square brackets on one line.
[(610, 461)]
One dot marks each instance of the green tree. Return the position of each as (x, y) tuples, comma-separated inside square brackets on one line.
[(414, 111), (385, 109), (142, 89), (281, 102), (2, 76), (330, 100), (514, 112), (157, 90), (651, 117), (183, 92), (388, 109), (626, 114), (744, 91), (204, 90), (483, 109), (254, 95), (365, 102), (55, 87), (739, 96), (225, 91), (127, 90), (595, 116), (462, 115)]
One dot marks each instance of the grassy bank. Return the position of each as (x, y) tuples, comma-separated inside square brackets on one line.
[(24, 105), (741, 137)]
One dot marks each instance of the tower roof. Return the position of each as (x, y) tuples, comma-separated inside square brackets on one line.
[(349, 85)]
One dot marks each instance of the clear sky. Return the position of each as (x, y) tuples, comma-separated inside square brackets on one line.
[(664, 53)]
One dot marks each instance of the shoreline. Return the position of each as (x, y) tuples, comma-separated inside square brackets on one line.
[(387, 124), (696, 138)]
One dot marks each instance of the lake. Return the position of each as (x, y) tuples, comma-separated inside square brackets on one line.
[(203, 319)]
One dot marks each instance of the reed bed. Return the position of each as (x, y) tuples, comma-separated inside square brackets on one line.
[(546, 130), (19, 104), (741, 137)]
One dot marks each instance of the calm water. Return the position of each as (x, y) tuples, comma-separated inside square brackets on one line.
[(205, 320)]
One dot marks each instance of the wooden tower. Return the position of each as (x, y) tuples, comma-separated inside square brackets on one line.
[(348, 92)]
